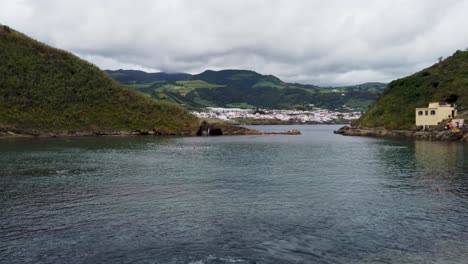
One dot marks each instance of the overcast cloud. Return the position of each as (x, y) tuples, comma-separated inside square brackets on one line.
[(333, 42)]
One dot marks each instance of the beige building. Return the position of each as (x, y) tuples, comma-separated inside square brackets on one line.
[(434, 114)]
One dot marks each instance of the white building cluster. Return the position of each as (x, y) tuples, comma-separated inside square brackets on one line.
[(317, 115)]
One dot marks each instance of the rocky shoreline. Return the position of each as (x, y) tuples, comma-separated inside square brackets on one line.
[(435, 135), (34, 133), (204, 130), (220, 129)]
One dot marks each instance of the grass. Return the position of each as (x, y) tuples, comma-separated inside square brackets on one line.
[(138, 86), (264, 83), (196, 84), (241, 105), (45, 89)]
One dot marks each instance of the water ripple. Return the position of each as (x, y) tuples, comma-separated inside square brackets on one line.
[(314, 198)]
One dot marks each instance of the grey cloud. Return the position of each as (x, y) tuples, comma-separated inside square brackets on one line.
[(336, 42)]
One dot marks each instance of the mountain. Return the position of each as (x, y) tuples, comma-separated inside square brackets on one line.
[(236, 78), (132, 76), (46, 90), (395, 109), (249, 89)]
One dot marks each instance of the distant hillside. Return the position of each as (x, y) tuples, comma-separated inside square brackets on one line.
[(238, 78), (43, 89), (133, 77), (395, 109), (249, 89)]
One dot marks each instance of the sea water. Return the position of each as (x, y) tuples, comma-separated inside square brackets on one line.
[(312, 198)]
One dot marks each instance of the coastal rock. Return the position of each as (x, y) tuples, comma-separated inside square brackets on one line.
[(293, 132), (445, 135), (203, 130), (219, 129), (420, 135), (452, 136), (215, 132), (439, 135)]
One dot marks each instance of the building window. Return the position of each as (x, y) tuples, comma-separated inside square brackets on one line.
[(420, 113), (427, 112), (433, 112)]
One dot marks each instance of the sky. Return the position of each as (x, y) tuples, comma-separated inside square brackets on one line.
[(321, 42)]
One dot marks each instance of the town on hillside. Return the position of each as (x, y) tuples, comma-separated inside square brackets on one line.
[(316, 115)]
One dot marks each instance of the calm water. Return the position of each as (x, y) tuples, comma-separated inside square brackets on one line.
[(314, 198)]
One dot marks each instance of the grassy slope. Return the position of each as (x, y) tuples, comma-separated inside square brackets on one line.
[(242, 87), (133, 76), (46, 89), (267, 91), (395, 109), (248, 88)]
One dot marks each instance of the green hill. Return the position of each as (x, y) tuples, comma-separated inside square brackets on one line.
[(395, 109), (133, 76), (249, 89), (237, 78), (43, 89)]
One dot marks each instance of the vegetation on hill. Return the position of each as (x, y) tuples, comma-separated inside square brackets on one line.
[(444, 80), (231, 88), (134, 76), (43, 89)]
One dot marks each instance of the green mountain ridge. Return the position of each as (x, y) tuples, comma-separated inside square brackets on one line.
[(129, 76), (248, 89), (396, 108), (43, 89)]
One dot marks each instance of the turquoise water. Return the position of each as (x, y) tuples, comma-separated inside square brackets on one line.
[(313, 198)]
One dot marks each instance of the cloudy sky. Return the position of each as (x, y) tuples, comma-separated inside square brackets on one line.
[(332, 42)]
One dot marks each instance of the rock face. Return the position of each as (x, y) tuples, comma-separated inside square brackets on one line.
[(465, 138), (215, 132), (293, 132), (31, 133), (440, 135), (219, 129), (289, 132)]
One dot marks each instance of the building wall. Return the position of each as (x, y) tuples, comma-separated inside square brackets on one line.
[(445, 112), (429, 117), (434, 114)]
